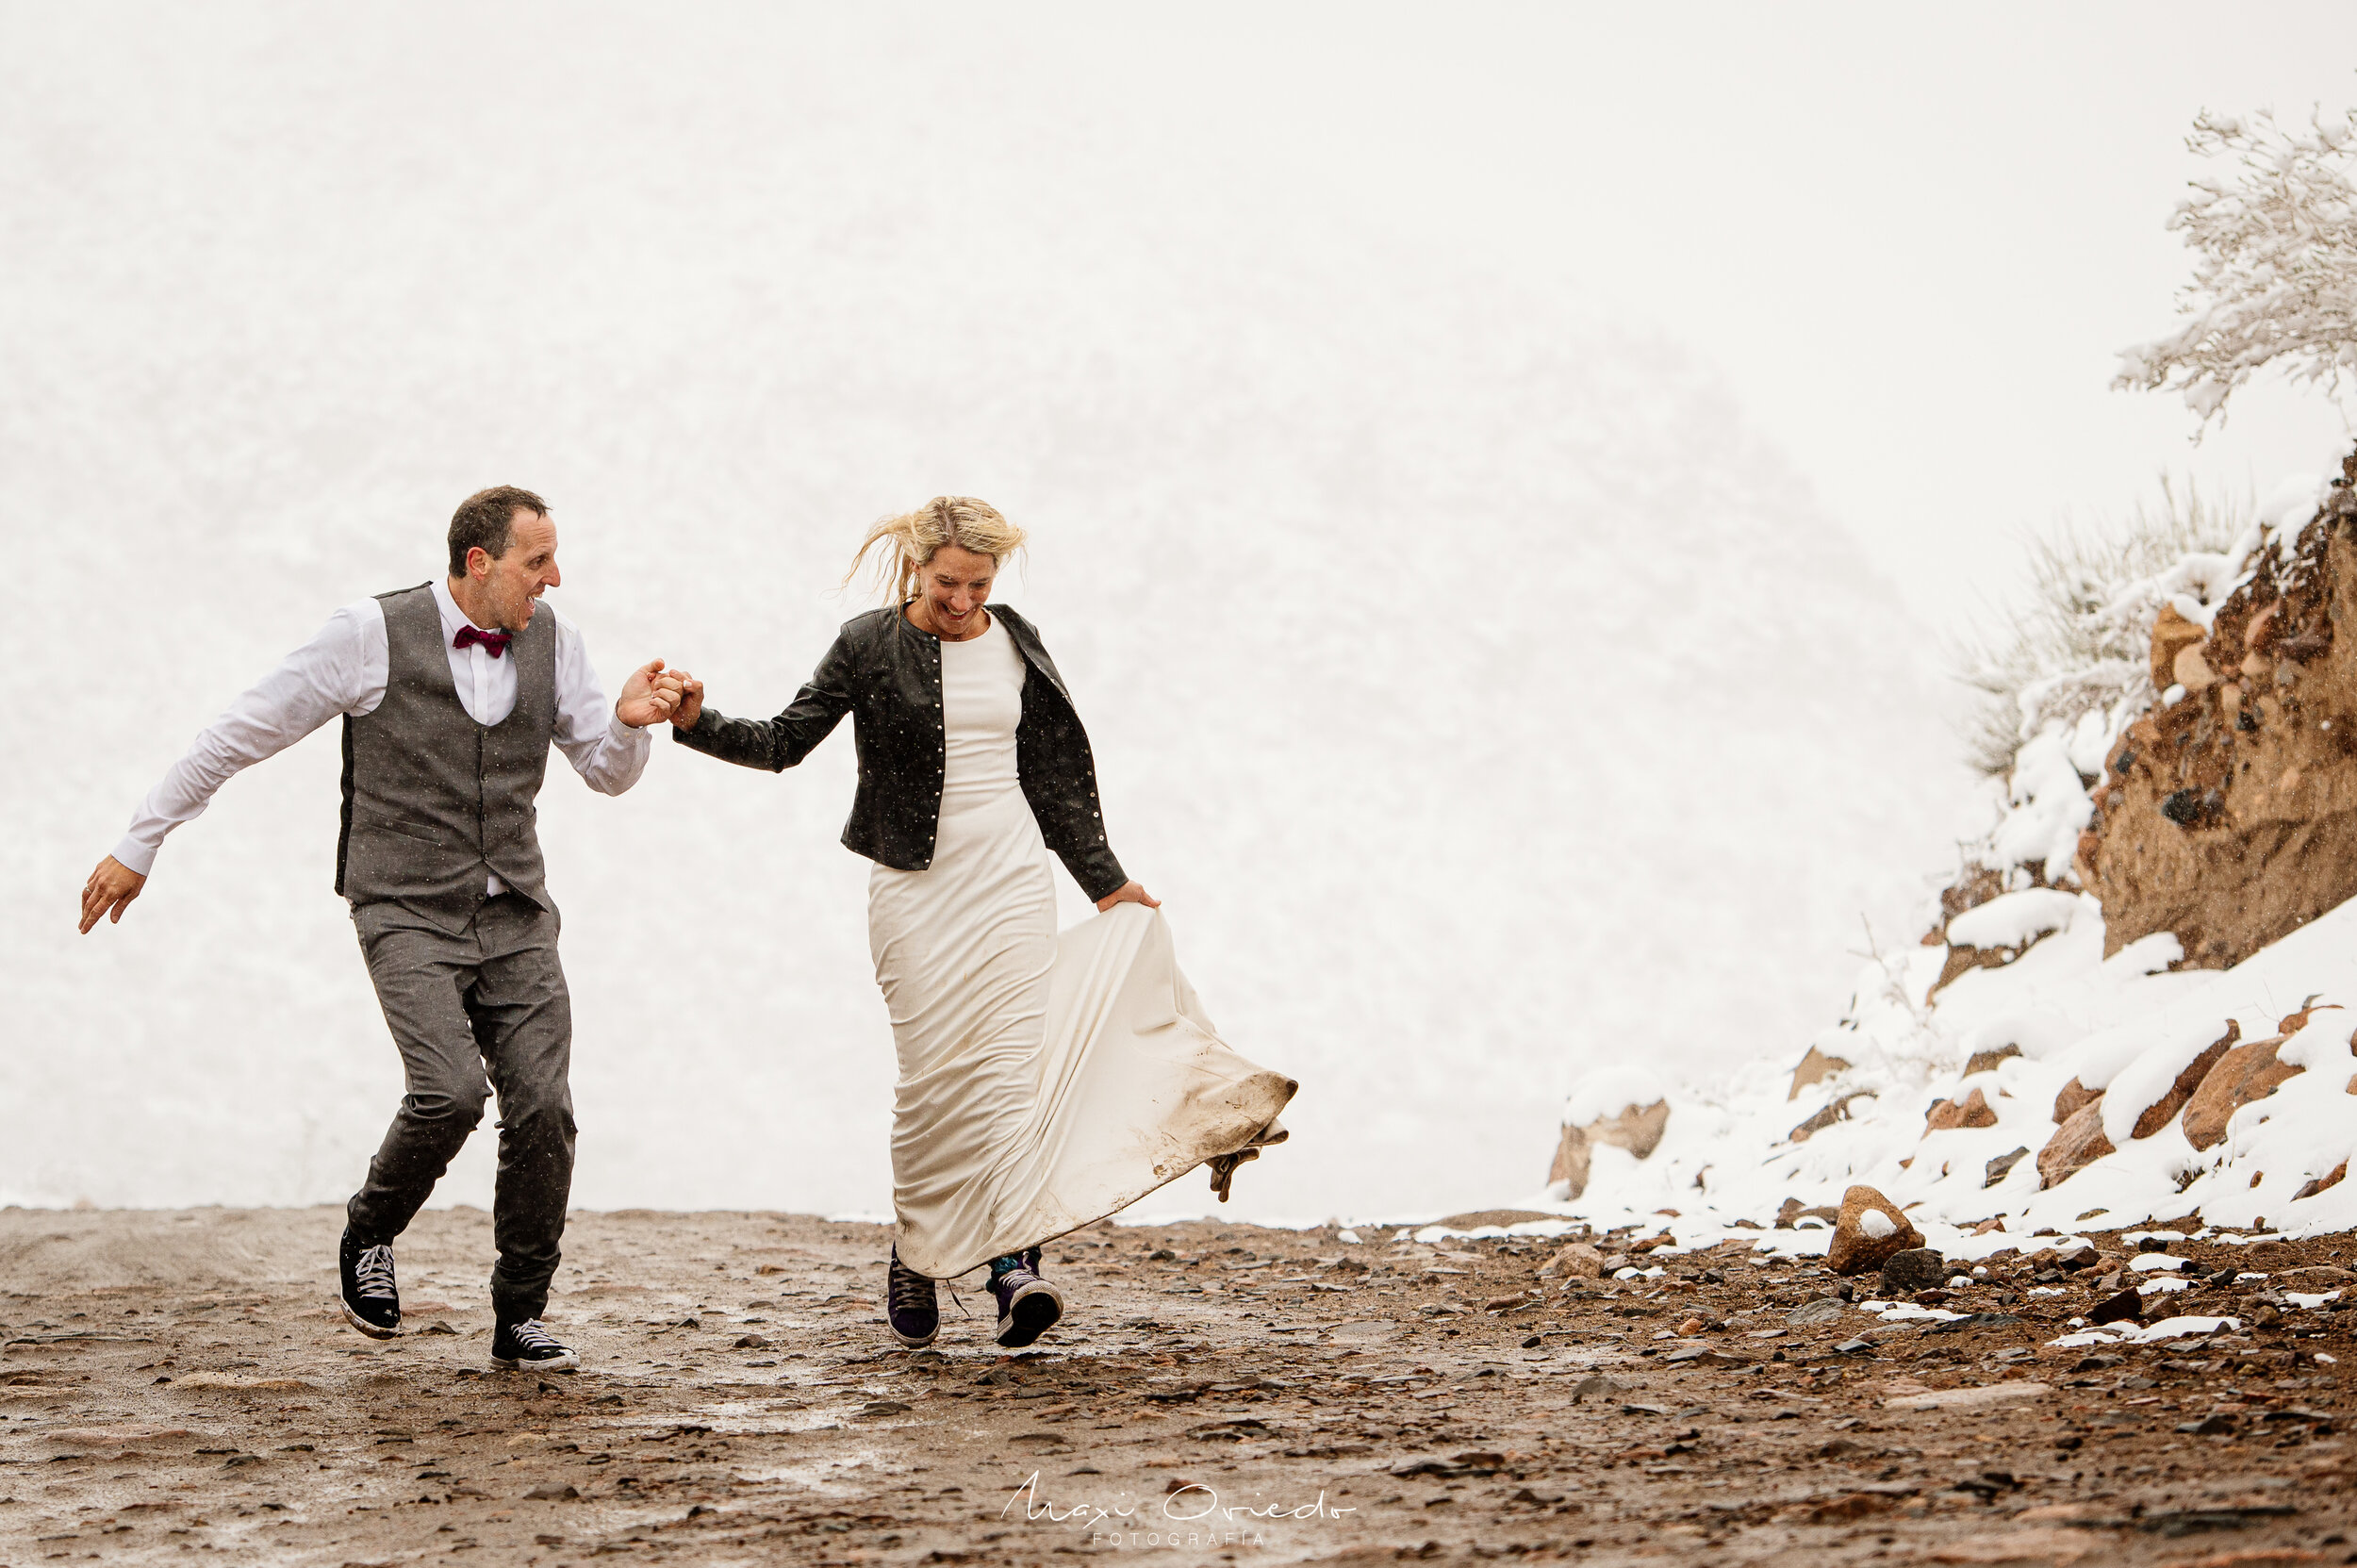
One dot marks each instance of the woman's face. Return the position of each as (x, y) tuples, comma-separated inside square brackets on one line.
[(957, 584)]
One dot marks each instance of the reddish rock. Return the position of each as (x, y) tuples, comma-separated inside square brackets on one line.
[(1837, 1112), (2172, 635), (1856, 1249), (2292, 1023), (2074, 1096), (1814, 1068), (1986, 1061), (1637, 1129), (1971, 1111), (1963, 960), (2245, 1074), (2257, 636), (1571, 1162), (2164, 1111), (2317, 1185), (2192, 671), (2076, 1145), (1792, 1213), (2001, 1166), (1576, 1260)]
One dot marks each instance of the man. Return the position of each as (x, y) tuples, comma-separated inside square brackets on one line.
[(451, 694)]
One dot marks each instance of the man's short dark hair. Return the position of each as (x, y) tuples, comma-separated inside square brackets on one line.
[(484, 521)]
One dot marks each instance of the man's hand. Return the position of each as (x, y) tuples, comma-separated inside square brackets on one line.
[(109, 892), (1127, 893), (647, 697), (691, 700)]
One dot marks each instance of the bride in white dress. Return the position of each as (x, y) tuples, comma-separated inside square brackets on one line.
[(1046, 1080)]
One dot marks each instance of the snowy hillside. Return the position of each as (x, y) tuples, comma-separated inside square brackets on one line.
[(1483, 698), (2045, 1087)]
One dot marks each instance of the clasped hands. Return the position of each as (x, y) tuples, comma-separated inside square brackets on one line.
[(654, 694)]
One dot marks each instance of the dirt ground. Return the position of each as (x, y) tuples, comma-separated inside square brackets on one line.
[(177, 1387)]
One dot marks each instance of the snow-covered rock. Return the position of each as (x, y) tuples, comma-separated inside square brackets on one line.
[(2014, 920), (1870, 1231), (1637, 1127)]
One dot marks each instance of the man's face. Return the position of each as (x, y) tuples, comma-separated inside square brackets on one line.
[(957, 585), (527, 571)]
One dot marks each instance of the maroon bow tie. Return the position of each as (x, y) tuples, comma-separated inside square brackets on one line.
[(494, 643)]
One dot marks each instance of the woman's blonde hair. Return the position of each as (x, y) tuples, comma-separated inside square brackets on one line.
[(914, 537)]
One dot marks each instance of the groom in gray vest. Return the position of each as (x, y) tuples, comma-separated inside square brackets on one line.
[(450, 695)]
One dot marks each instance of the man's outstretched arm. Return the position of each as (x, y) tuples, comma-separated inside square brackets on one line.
[(339, 670)]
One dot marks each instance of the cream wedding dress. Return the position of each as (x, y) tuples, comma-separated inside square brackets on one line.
[(1046, 1080)]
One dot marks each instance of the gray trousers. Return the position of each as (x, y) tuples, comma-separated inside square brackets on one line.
[(490, 1002)]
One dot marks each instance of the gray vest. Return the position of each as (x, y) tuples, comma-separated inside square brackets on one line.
[(435, 803)]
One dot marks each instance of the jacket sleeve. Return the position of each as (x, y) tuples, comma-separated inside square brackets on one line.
[(1060, 781), (777, 744)]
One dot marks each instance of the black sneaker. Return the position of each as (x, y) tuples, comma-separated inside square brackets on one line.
[(910, 1308), (527, 1346), (372, 1301), (1028, 1306)]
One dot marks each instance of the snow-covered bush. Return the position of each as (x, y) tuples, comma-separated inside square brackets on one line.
[(2075, 640), (2275, 270)]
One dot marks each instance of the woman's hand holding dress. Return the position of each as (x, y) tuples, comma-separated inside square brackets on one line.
[(1127, 893)]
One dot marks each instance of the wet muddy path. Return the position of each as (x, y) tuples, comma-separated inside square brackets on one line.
[(177, 1387)]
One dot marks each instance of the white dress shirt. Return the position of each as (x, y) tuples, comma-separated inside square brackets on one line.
[(343, 671)]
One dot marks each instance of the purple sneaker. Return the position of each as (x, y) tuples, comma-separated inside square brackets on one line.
[(1028, 1306), (910, 1308)]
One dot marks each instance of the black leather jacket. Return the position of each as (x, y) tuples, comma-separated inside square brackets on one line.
[(886, 675)]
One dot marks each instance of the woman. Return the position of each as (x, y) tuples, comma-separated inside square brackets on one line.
[(1046, 1082)]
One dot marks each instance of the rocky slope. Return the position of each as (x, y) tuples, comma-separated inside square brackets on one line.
[(2229, 814), (2132, 1003)]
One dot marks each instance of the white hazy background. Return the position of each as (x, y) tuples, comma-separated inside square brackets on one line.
[(1497, 479)]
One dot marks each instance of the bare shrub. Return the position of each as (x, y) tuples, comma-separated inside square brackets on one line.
[(2076, 637)]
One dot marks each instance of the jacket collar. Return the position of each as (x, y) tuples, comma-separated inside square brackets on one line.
[(1025, 642)]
